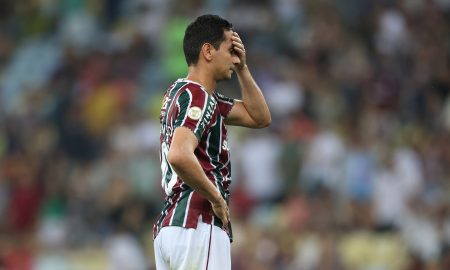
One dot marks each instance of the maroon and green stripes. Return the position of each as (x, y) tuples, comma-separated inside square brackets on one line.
[(183, 205)]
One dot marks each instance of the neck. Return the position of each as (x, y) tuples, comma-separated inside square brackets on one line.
[(202, 77)]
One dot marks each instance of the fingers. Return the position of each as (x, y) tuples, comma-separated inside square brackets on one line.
[(223, 213), (225, 217), (227, 220), (239, 48), (237, 43), (236, 37)]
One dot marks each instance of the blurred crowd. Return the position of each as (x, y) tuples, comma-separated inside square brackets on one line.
[(353, 173)]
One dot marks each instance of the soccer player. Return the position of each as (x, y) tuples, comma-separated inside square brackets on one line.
[(193, 230)]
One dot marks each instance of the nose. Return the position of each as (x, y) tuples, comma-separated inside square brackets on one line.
[(236, 60)]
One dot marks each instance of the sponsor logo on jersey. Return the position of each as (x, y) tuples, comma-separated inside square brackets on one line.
[(208, 114), (225, 146)]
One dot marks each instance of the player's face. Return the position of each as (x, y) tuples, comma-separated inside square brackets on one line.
[(225, 58)]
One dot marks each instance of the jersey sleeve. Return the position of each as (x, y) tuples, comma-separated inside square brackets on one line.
[(225, 104), (195, 110)]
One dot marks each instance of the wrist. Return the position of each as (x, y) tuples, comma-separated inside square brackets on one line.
[(242, 68), (216, 198)]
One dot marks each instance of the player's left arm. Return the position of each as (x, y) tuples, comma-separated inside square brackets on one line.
[(252, 111)]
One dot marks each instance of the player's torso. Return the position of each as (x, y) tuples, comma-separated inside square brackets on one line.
[(203, 117)]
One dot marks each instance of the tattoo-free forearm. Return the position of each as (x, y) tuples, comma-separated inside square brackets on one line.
[(253, 98), (188, 168)]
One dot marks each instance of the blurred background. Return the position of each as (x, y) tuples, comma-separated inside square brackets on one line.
[(353, 173)]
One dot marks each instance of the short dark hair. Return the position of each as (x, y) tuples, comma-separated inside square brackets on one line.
[(205, 29)]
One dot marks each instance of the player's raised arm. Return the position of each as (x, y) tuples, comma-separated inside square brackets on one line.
[(252, 111)]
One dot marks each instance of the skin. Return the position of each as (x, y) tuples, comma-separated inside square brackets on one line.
[(215, 65)]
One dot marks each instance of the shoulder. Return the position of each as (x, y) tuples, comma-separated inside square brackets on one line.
[(192, 95), (193, 91)]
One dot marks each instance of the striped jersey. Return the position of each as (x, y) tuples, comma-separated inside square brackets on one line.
[(187, 104)]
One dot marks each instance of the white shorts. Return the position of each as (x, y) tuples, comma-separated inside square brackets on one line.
[(207, 247)]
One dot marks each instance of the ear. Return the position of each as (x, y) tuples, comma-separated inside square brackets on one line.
[(207, 51)]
